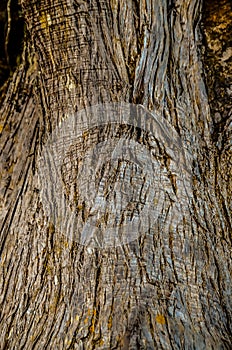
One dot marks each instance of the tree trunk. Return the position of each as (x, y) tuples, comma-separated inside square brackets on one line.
[(116, 178)]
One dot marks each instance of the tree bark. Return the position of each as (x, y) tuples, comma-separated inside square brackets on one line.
[(169, 286)]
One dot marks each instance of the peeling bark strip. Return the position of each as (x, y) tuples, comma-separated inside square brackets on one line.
[(167, 289)]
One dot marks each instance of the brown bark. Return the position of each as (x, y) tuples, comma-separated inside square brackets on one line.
[(170, 287)]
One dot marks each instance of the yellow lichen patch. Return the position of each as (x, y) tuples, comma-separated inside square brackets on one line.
[(85, 134), (91, 329), (94, 312), (32, 338), (86, 320), (43, 21), (160, 319), (68, 341), (10, 170), (66, 244), (48, 268), (110, 322), (1, 127)]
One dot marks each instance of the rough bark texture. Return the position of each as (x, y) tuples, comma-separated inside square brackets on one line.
[(171, 287)]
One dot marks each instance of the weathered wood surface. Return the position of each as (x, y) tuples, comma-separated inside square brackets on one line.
[(171, 287)]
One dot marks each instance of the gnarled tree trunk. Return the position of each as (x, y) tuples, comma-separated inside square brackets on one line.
[(132, 76)]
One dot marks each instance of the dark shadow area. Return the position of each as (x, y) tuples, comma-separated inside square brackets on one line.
[(11, 38), (217, 59)]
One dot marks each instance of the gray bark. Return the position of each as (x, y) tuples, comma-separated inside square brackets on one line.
[(170, 286)]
